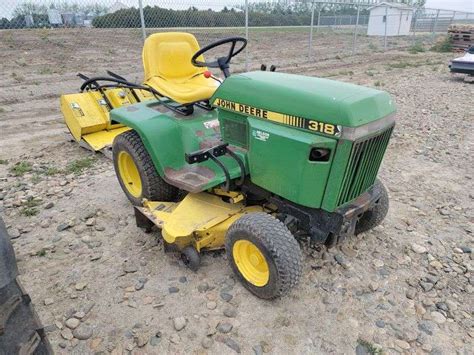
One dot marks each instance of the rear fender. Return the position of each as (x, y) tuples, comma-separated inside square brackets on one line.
[(160, 134)]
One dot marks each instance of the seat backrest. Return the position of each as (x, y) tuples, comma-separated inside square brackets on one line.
[(168, 55)]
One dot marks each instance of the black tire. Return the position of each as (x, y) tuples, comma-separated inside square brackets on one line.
[(373, 217), (191, 258), (20, 328), (154, 188), (280, 249)]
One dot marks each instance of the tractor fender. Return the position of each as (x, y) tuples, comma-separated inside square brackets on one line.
[(8, 268), (167, 139), (162, 140)]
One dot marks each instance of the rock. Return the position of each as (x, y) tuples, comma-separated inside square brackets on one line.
[(207, 342), (141, 340), (90, 222), (466, 250), (14, 233), (438, 317), (458, 250), (129, 268), (179, 323), (155, 339), (224, 327), (341, 261), (362, 349), (173, 289), (257, 349), (378, 263), (441, 305), (45, 223), (411, 293), (231, 343), (175, 339), (79, 315), (67, 334), (452, 306), (83, 332), (72, 323), (380, 323), (183, 279), (49, 205), (402, 344), (418, 248), (80, 286), (426, 286), (211, 305), (48, 301), (427, 327), (63, 226), (226, 296), (351, 253), (203, 287), (436, 264), (140, 284), (230, 312)]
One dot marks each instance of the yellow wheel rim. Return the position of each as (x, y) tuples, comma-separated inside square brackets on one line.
[(251, 262), (129, 174)]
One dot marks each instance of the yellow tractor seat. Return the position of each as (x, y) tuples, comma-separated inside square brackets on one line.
[(168, 68)]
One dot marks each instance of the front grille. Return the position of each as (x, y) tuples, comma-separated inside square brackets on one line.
[(363, 166)]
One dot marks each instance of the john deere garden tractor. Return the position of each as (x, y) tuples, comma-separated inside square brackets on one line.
[(262, 159)]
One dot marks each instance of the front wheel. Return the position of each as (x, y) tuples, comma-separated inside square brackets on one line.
[(264, 255), (373, 217), (136, 172)]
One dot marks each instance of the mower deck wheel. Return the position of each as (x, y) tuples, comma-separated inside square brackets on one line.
[(191, 258), (136, 172), (264, 255), (372, 218)]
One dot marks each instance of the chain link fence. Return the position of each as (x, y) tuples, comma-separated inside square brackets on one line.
[(282, 33)]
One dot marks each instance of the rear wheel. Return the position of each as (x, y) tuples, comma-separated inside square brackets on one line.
[(264, 254), (136, 172), (373, 217)]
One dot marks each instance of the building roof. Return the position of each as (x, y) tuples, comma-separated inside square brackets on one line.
[(394, 5)]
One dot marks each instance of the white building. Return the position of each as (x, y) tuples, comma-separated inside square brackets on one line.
[(392, 18)]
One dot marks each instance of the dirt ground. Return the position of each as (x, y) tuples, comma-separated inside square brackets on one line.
[(101, 285)]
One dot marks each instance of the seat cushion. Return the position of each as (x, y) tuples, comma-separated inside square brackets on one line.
[(190, 90), (175, 60)]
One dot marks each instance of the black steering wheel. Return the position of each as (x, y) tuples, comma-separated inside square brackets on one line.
[(222, 62)]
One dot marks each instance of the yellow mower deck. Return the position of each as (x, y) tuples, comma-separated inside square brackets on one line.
[(200, 220), (87, 115)]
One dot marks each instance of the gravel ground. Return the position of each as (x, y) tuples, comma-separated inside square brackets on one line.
[(103, 285)]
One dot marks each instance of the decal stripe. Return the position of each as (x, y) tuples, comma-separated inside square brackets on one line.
[(311, 125)]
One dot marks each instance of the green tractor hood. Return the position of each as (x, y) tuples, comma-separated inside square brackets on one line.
[(323, 100)]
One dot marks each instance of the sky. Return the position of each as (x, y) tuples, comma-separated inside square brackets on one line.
[(458, 5), (7, 6)]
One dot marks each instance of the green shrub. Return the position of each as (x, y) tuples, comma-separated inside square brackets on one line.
[(416, 48), (443, 46)]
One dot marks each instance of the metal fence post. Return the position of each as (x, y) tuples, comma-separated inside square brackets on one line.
[(247, 34), (319, 19), (142, 19), (433, 34), (310, 47), (385, 33), (414, 20), (355, 30)]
